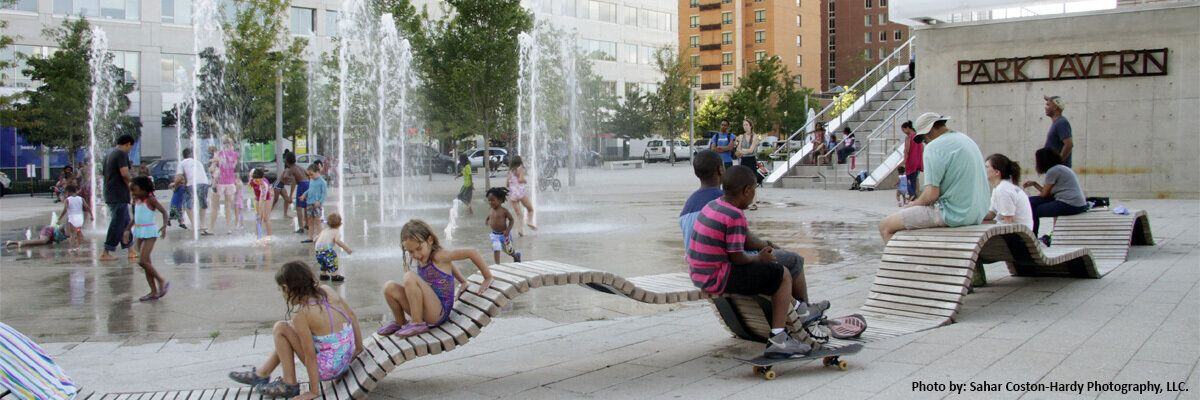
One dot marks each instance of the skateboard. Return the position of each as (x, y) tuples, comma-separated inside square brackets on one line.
[(829, 356)]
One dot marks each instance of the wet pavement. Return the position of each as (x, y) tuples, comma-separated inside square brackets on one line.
[(619, 221)]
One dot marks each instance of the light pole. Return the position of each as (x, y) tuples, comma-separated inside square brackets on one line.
[(692, 120)]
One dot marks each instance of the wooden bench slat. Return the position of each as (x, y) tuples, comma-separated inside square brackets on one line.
[(958, 289), (945, 262), (915, 301), (924, 277), (955, 298), (935, 245), (887, 305), (899, 251)]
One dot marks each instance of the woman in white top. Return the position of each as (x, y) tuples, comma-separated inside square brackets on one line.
[(1010, 204)]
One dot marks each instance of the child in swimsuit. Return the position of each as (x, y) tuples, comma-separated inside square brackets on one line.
[(331, 325), (433, 281), (263, 193), (49, 234), (519, 196), (501, 222), (327, 256), (74, 210), (145, 232)]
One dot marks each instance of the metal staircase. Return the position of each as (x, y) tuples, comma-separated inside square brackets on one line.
[(886, 98)]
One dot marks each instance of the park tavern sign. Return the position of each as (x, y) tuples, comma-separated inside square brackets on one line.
[(1056, 67)]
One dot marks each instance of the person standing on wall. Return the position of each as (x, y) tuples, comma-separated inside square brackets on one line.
[(913, 152), (1059, 137), (724, 143), (116, 196)]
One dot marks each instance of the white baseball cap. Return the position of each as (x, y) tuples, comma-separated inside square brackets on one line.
[(1058, 102), (925, 122)]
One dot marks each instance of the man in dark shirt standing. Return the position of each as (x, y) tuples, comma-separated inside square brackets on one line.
[(116, 196), (1059, 137)]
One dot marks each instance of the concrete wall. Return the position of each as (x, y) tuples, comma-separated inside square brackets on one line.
[(1135, 137)]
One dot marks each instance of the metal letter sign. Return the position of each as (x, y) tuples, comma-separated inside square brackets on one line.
[(1058, 67)]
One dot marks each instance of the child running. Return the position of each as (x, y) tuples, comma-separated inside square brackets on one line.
[(179, 195), (327, 256), (501, 222), (719, 264), (518, 194), (468, 188), (145, 231), (427, 294), (262, 201), (74, 210), (322, 328), (901, 188), (313, 197)]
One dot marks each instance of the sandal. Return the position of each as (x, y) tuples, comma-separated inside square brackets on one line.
[(148, 298), (413, 329), (249, 377), (389, 329), (337, 278), (279, 389), (163, 291), (324, 277)]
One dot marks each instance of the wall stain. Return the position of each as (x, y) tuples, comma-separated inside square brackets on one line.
[(1111, 170)]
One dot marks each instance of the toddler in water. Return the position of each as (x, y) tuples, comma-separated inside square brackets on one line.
[(318, 316), (327, 256), (313, 197), (518, 194), (427, 294), (262, 201), (74, 209), (901, 188), (49, 234), (501, 222), (178, 197), (146, 232)]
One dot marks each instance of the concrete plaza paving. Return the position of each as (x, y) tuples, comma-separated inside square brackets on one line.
[(1140, 323)]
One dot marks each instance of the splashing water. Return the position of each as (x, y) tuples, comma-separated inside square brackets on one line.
[(103, 87), (453, 223)]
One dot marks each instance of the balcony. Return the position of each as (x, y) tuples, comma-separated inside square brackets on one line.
[(710, 6), (710, 27), (707, 47), (710, 67), (710, 86)]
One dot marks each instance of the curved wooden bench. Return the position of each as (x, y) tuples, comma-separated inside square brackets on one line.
[(1107, 235)]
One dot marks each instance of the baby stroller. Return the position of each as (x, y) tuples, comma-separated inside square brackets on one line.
[(546, 176)]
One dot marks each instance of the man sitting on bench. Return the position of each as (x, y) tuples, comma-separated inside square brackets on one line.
[(709, 169), (956, 191), (718, 263)]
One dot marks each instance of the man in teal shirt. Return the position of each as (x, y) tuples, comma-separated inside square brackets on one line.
[(956, 187)]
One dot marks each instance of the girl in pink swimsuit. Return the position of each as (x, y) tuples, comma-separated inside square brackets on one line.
[(518, 195), (331, 326), (434, 281)]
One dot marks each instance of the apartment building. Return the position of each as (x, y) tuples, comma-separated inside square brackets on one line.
[(857, 34)]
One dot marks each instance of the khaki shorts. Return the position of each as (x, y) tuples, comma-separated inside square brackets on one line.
[(921, 217), (226, 190)]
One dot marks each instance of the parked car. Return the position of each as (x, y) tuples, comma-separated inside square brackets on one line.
[(268, 166), (475, 156), (422, 159), (162, 172), (661, 150), (5, 183), (699, 144)]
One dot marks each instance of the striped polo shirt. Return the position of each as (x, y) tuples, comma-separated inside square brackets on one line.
[(720, 229)]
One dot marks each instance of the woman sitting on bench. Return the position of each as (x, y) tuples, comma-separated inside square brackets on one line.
[(1060, 193)]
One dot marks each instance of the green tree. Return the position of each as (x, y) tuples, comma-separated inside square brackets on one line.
[(792, 110), (756, 95), (55, 114), (670, 102), (710, 113), (633, 118), (5, 65)]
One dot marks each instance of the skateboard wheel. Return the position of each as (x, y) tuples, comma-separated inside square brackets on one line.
[(842, 365), (830, 360), (769, 375), (759, 370)]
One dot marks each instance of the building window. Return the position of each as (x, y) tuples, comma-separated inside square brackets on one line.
[(693, 3), (799, 60), (24, 5), (832, 74), (798, 41), (726, 18), (177, 12), (866, 20), (568, 8), (694, 41), (176, 71), (882, 36), (302, 21), (694, 21), (726, 37), (867, 4), (103, 9), (601, 50), (601, 11), (656, 20), (832, 24), (882, 20), (867, 54), (128, 61), (726, 1), (631, 16), (883, 3), (695, 80), (331, 23), (866, 37), (882, 53), (759, 55), (648, 55), (726, 58), (760, 15), (760, 36), (727, 79), (898, 36), (631, 53), (695, 60)]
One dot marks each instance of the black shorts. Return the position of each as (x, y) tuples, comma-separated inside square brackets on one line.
[(754, 278), (466, 193)]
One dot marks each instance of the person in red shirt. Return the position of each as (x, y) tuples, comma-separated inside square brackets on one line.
[(912, 160)]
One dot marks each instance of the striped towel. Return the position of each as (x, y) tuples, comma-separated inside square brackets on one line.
[(28, 372)]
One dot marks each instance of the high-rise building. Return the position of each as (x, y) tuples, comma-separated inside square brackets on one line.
[(857, 35), (723, 39)]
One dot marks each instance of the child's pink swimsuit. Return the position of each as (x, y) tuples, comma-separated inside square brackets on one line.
[(335, 350)]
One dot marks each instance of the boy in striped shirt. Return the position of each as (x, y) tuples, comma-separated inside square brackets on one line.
[(718, 262)]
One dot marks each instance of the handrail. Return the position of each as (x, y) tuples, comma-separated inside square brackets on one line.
[(868, 118), (887, 125), (808, 124)]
